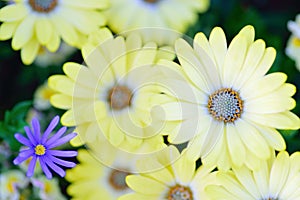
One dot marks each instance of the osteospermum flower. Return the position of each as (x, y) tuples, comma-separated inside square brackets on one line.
[(169, 176), (12, 182), (103, 181), (109, 98), (278, 178), (48, 189), (40, 147), (293, 44), (176, 15), (227, 101), (32, 23)]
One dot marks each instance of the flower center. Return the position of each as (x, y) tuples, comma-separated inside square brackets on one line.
[(43, 6), (296, 42), (151, 1), (179, 192), (117, 179), (225, 105), (40, 150), (119, 97)]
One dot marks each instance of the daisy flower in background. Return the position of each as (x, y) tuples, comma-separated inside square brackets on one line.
[(236, 107), (48, 189), (40, 148), (178, 180), (11, 182), (41, 100), (45, 58), (109, 98), (164, 15), (293, 45), (35, 23), (101, 181), (277, 178)]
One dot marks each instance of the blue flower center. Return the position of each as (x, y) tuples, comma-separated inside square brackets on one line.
[(225, 105), (179, 192), (43, 6)]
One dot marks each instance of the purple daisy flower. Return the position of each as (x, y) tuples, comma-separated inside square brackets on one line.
[(41, 148)]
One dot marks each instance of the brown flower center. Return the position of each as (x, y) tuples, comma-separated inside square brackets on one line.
[(43, 6), (117, 179), (225, 105), (179, 192), (119, 97)]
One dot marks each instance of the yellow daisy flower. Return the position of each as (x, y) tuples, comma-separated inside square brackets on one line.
[(165, 16), (48, 188), (109, 98), (103, 180), (46, 58), (227, 101), (41, 100), (177, 180), (31, 23), (11, 182), (278, 178), (293, 45)]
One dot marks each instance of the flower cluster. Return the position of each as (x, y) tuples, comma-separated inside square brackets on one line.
[(155, 114)]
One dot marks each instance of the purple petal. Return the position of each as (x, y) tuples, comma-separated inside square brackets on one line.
[(23, 140), (31, 166), (19, 160), (55, 168), (30, 135), (61, 153), (50, 128), (26, 153), (57, 135), (36, 129), (60, 141), (62, 162), (45, 168)]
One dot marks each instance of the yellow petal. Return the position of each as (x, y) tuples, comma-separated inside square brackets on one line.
[(273, 137), (234, 60), (13, 12), (265, 64), (54, 43), (184, 169), (61, 101), (29, 52), (283, 120), (248, 33), (235, 145), (145, 185), (217, 41), (65, 30), (7, 30), (68, 118), (89, 4), (215, 192), (44, 30), (279, 173), (23, 33), (252, 139), (254, 55)]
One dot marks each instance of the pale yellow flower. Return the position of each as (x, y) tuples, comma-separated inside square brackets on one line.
[(228, 107), (293, 44), (277, 178), (109, 99), (32, 23), (171, 176), (42, 95), (49, 189), (100, 174), (11, 182), (161, 21)]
